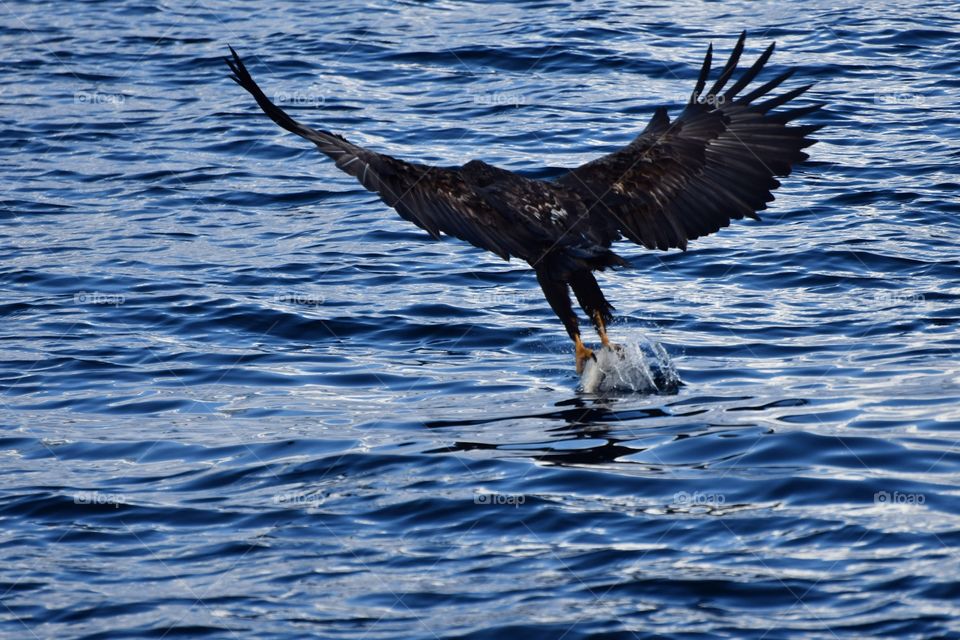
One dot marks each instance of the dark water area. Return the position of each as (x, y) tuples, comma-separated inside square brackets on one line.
[(241, 398)]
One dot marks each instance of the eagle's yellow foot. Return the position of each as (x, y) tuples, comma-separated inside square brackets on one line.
[(582, 354)]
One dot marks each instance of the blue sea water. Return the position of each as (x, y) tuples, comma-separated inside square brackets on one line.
[(241, 398)]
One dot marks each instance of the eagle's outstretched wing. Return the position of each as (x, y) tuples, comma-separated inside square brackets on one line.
[(716, 162), (435, 199)]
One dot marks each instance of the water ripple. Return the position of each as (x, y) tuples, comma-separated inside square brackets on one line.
[(239, 397)]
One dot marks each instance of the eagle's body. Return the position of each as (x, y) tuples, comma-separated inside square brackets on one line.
[(676, 181)]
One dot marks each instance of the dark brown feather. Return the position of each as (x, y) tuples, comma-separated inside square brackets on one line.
[(716, 163)]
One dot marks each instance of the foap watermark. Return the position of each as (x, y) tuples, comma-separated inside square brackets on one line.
[(698, 499), (304, 298), (96, 297), (498, 499), (707, 99), (98, 498), (500, 99), (298, 500), (899, 298), (698, 298), (99, 98), (496, 298), (907, 98), (312, 96), (885, 498)]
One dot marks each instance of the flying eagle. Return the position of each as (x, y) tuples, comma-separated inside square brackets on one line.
[(676, 181)]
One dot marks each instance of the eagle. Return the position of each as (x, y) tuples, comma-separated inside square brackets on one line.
[(676, 181)]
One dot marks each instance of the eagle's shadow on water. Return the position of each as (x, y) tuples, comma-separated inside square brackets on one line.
[(596, 419), (607, 420), (607, 429)]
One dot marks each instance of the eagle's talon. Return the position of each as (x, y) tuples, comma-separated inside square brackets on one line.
[(582, 353), (582, 363)]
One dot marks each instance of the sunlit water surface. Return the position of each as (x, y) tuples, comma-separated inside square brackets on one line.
[(240, 398)]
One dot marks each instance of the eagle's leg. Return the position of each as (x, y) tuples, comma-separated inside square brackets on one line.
[(602, 329), (558, 296), (594, 304)]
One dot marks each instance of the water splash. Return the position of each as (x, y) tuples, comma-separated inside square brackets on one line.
[(637, 367)]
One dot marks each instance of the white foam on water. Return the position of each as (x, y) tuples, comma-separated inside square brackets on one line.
[(640, 367)]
